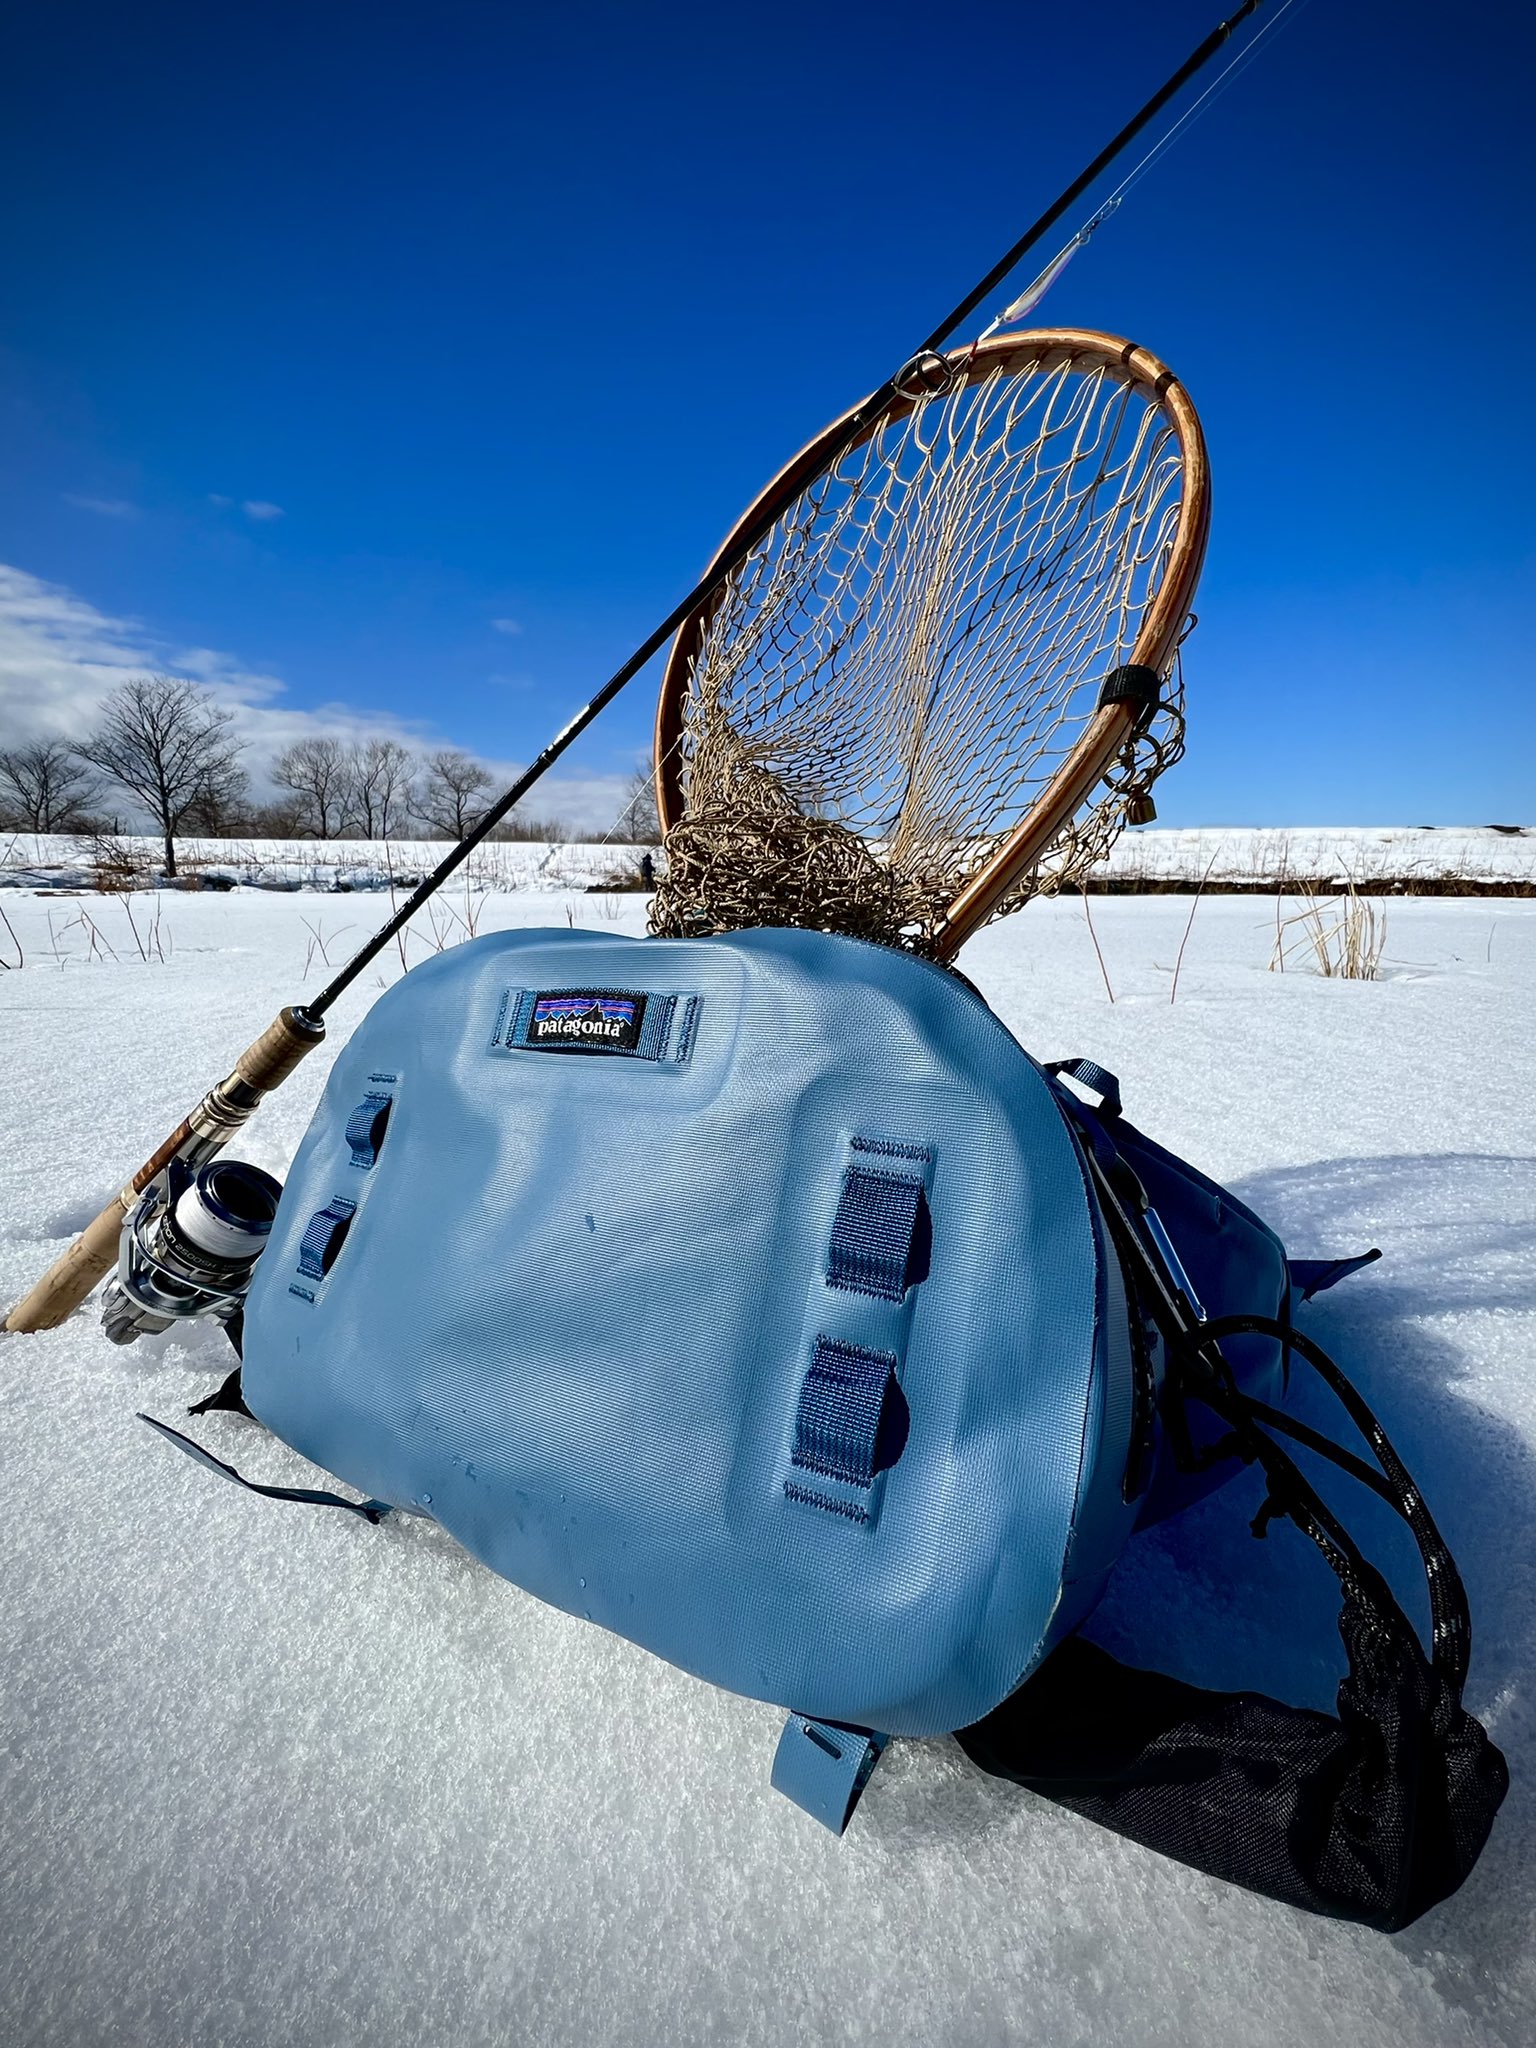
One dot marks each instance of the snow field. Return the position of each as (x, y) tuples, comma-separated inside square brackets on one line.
[(268, 1775), (1369, 856)]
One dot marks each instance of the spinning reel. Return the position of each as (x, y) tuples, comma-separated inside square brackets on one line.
[(189, 1247)]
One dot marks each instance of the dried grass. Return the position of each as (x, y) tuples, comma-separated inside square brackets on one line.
[(1341, 937), (113, 862)]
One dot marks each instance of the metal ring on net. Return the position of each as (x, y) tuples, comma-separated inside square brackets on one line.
[(926, 375), (903, 677)]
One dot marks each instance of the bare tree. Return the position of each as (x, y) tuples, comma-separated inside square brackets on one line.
[(452, 791), (317, 774), (380, 778), (521, 825), (639, 823), (222, 810), (167, 743), (45, 787), (281, 819)]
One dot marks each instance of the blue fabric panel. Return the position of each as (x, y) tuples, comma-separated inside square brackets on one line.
[(1103, 1510), (1235, 1263), (1226, 1257), (824, 1769), (580, 1298), (872, 1232)]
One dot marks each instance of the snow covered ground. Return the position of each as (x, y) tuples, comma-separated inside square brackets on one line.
[(270, 1776), (1371, 856), (510, 865)]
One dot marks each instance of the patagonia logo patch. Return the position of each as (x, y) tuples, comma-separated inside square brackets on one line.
[(585, 1020), (632, 1023)]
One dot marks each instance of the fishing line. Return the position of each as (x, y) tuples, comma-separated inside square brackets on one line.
[(1027, 300), (297, 1030), (909, 376)]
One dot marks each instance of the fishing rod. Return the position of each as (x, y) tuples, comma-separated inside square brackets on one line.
[(299, 1028), (791, 484)]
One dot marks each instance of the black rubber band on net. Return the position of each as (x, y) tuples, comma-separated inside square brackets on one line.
[(1133, 683)]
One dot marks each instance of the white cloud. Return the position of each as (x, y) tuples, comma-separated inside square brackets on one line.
[(586, 803), (108, 508), (60, 656), (253, 508), (507, 625)]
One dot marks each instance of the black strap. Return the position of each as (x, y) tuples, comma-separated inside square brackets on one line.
[(370, 1510), (1132, 683), (1451, 1621), (227, 1397), (1373, 1815), (1197, 1372)]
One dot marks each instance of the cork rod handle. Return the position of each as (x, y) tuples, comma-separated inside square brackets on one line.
[(263, 1066)]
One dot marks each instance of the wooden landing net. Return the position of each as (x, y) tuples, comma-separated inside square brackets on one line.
[(888, 720)]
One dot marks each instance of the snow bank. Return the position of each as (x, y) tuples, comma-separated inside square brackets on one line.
[(343, 864), (1372, 857), (269, 1776)]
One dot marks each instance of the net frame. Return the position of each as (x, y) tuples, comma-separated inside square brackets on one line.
[(1020, 862)]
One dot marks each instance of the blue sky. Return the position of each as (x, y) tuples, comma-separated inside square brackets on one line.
[(406, 362)]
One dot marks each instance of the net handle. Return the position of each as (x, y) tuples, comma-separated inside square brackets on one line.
[(1108, 730)]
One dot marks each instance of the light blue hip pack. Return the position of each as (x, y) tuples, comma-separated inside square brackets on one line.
[(745, 1295)]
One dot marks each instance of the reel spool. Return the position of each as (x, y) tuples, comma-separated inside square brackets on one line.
[(189, 1247)]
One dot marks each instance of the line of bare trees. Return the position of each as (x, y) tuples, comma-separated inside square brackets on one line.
[(378, 789), (159, 741), (167, 746)]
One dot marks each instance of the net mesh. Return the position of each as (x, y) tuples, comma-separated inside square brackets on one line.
[(888, 683)]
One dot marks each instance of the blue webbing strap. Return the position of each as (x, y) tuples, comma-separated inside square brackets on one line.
[(370, 1510), (1089, 1074), (838, 1420), (872, 1232), (316, 1253), (824, 1768), (365, 1128), (1308, 1276)]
